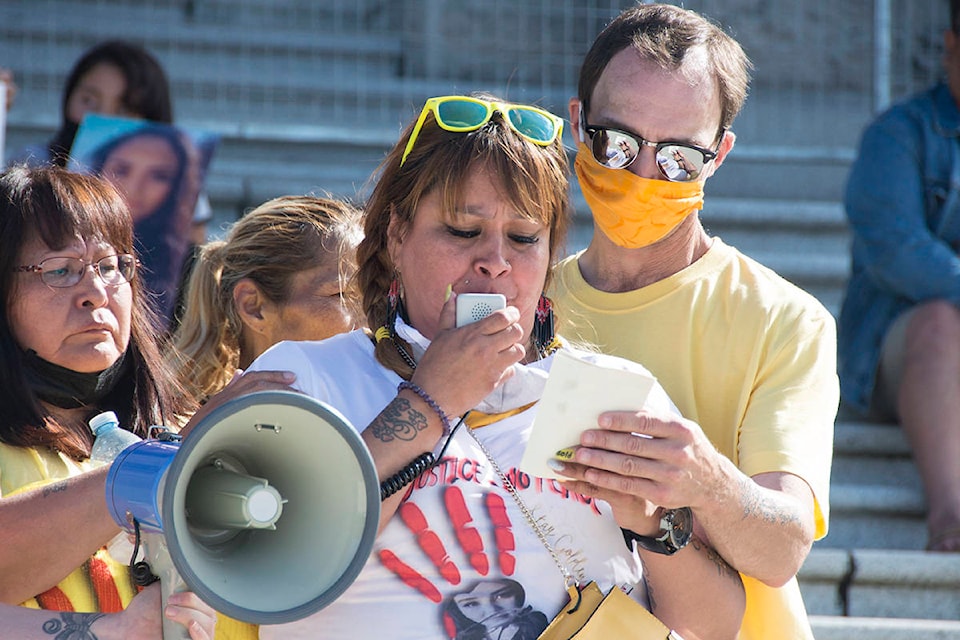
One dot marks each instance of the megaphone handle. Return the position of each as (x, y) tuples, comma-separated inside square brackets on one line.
[(158, 557)]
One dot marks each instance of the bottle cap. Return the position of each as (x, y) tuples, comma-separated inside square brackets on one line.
[(102, 419)]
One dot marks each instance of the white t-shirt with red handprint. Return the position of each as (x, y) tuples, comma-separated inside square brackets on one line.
[(459, 559)]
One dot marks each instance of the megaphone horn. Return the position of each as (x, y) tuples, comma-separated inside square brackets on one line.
[(268, 509)]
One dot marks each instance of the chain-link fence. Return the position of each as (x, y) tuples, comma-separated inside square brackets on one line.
[(821, 67)]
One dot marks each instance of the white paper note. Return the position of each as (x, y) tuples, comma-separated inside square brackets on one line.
[(577, 392)]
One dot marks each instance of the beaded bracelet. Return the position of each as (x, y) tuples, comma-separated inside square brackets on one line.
[(415, 469), (444, 420)]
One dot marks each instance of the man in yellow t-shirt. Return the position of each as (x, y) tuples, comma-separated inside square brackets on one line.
[(748, 358)]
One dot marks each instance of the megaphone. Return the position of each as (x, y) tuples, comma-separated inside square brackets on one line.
[(267, 510)]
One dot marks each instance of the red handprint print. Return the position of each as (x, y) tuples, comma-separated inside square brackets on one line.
[(492, 605), (467, 535)]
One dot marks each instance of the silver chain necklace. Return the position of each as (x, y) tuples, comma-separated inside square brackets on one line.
[(568, 578)]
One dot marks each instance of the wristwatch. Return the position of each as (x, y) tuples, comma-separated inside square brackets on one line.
[(676, 527)]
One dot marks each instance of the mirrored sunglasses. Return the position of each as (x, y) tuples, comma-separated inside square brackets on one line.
[(61, 272), (678, 162), (463, 114)]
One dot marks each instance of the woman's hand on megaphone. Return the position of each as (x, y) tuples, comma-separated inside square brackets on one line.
[(141, 620), (196, 615), (240, 385)]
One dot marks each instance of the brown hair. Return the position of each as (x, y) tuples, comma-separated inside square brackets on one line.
[(146, 94), (665, 34), (269, 245), (534, 178), (57, 206)]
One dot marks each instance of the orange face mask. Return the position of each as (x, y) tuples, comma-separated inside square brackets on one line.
[(634, 212)]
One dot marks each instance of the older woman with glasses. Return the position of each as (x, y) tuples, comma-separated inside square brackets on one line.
[(473, 199), (77, 339)]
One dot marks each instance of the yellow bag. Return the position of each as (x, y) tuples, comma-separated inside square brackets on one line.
[(594, 616)]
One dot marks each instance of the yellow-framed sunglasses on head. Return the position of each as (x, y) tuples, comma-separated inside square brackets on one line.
[(463, 113)]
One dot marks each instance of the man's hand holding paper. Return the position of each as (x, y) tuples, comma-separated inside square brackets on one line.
[(617, 447)]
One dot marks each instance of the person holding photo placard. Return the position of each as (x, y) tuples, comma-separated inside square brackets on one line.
[(158, 170), (120, 78)]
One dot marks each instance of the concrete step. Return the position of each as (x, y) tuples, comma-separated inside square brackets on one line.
[(881, 583), (905, 584), (876, 497), (787, 173), (874, 453), (872, 518), (857, 628)]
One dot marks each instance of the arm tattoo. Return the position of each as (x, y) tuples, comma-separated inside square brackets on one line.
[(723, 568), (651, 595), (72, 626), (56, 487), (399, 421), (756, 506)]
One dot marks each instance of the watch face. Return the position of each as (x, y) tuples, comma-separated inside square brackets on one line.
[(676, 527), (682, 519), (679, 526)]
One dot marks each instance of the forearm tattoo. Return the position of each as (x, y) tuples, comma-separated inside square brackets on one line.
[(724, 570), (399, 421), (651, 594), (755, 505), (72, 626), (56, 487)]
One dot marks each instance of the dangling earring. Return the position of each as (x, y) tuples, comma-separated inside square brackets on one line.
[(544, 339), (388, 330), (385, 330), (393, 303), (393, 308)]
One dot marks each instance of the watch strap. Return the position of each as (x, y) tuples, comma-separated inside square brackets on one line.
[(666, 541), (650, 543)]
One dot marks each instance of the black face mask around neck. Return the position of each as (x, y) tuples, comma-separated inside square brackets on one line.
[(70, 389)]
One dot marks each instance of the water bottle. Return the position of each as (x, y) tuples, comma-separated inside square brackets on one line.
[(109, 441), (109, 438)]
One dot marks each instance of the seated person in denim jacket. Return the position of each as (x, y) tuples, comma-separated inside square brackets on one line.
[(899, 328)]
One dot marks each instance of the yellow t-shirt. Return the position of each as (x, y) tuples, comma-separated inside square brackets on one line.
[(101, 584), (748, 356)]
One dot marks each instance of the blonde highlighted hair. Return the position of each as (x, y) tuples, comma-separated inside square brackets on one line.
[(269, 245)]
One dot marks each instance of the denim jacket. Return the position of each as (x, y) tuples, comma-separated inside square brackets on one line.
[(903, 205)]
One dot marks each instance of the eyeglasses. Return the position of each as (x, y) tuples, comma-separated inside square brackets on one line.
[(677, 161), (61, 272), (461, 114)]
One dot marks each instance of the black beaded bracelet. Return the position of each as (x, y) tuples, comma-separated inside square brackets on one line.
[(408, 474), (444, 420)]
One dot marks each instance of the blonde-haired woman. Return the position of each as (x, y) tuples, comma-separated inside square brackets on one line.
[(282, 273)]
